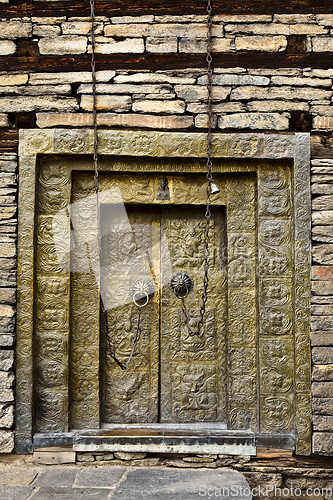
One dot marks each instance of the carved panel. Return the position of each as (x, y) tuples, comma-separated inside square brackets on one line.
[(52, 299), (276, 299), (242, 310), (193, 375)]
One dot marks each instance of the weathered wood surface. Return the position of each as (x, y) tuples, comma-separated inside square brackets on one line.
[(8, 141), (322, 146), (164, 61), (130, 7)]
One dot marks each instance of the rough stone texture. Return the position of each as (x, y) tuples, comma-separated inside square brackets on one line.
[(301, 82), (80, 28), (6, 360), (201, 121), (122, 455), (17, 104), (160, 45), (322, 233), (159, 90), (322, 443), (7, 47), (6, 416), (235, 80), (271, 106), (6, 441), (261, 43), (324, 203), (322, 188), (162, 30), (324, 217), (14, 79), (322, 355), (106, 103), (322, 423), (322, 389), (199, 93), (254, 121), (70, 77), (324, 44), (45, 120), (159, 106), (6, 380), (4, 121), (15, 29), (323, 254), (127, 46), (63, 45), (323, 372), (289, 93), (199, 45), (41, 31)]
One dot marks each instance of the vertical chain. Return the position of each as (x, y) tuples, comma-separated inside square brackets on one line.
[(209, 177), (93, 75)]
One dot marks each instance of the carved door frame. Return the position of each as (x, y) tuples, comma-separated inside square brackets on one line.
[(178, 148)]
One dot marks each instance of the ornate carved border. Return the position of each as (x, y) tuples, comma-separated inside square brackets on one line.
[(168, 145)]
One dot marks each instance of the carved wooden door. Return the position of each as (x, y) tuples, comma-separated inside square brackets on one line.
[(173, 377)]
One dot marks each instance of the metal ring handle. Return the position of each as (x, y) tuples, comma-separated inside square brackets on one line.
[(179, 289), (136, 303)]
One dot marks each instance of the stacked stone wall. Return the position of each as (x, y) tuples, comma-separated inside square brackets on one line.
[(294, 99)]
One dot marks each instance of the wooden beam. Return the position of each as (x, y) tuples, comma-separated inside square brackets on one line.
[(173, 7), (165, 61), (322, 145)]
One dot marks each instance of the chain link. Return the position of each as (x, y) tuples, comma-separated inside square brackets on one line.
[(209, 177)]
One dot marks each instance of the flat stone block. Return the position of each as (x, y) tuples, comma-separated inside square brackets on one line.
[(319, 323), (199, 45), (6, 441), (254, 121), (322, 233), (15, 29), (322, 423), (17, 104), (162, 30), (45, 120), (323, 372), (201, 121), (6, 360), (6, 340), (287, 93), (6, 380), (99, 477), (323, 254), (7, 48), (322, 443), (325, 110), (6, 396), (301, 82), (15, 492), (7, 295), (17, 476), (184, 484), (49, 493), (127, 46), (322, 203), (161, 44), (322, 355), (49, 30), (321, 188), (322, 44), (322, 406), (199, 92), (324, 217), (132, 19), (224, 79), (155, 106), (322, 310), (261, 43), (63, 476), (320, 339), (294, 18), (6, 422), (154, 78), (63, 45), (80, 28), (322, 389), (106, 103), (104, 88), (70, 77)]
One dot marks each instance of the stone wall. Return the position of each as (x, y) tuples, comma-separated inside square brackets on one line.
[(259, 99), (8, 231)]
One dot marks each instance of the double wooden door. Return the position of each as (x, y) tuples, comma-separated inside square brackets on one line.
[(172, 377)]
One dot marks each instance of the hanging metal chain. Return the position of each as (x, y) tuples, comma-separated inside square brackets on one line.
[(95, 160), (209, 177)]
